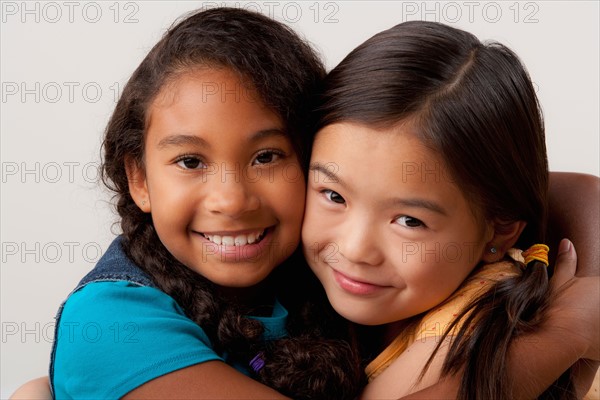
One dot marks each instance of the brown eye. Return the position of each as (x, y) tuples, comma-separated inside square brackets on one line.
[(409, 222), (267, 157), (189, 162), (334, 196)]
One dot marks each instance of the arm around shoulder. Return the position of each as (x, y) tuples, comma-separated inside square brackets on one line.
[(209, 380), (570, 335), (134, 341), (574, 207)]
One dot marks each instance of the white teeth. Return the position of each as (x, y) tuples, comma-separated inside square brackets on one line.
[(239, 240)]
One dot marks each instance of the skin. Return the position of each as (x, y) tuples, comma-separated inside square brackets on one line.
[(534, 360), (219, 165), (570, 215), (193, 143), (573, 314), (170, 186), (374, 255), (387, 252), (531, 366)]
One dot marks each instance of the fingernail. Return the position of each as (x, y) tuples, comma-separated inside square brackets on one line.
[(564, 246)]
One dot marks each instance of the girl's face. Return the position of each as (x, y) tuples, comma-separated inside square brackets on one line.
[(222, 180), (386, 231)]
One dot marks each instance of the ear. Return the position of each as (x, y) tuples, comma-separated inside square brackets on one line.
[(505, 236), (138, 188)]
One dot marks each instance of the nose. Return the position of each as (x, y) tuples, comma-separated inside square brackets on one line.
[(358, 242), (231, 197)]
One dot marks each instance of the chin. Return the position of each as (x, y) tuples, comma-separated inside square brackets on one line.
[(367, 320), (353, 313), (240, 282)]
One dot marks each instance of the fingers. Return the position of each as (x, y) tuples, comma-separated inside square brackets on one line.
[(566, 264)]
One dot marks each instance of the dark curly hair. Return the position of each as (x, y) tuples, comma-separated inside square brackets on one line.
[(285, 72), (474, 104)]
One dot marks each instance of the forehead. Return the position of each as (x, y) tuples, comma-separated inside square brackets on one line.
[(378, 165), (390, 150), (214, 104), (206, 85)]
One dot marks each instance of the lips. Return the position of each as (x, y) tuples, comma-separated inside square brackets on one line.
[(237, 246), (354, 286)]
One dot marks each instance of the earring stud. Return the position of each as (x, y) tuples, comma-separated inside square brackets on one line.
[(493, 250)]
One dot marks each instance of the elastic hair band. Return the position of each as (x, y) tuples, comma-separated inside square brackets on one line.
[(537, 252), (257, 363)]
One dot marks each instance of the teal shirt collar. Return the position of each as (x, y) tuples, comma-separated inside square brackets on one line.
[(275, 324)]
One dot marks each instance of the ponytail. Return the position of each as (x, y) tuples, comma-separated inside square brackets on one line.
[(510, 308)]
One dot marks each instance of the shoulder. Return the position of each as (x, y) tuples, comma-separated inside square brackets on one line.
[(111, 305), (403, 375), (126, 334), (435, 322), (120, 297), (407, 355), (116, 265)]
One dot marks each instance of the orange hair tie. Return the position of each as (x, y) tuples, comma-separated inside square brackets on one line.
[(537, 252)]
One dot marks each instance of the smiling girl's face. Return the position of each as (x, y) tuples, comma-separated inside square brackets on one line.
[(220, 179), (386, 231)]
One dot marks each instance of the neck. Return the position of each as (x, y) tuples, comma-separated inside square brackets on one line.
[(374, 339), (393, 329), (256, 300)]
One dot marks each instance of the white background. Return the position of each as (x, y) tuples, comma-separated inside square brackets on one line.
[(63, 62)]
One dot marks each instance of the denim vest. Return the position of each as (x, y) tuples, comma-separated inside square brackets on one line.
[(113, 266)]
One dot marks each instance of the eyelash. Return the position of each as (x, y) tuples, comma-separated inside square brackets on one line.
[(328, 195), (420, 223), (277, 153), (195, 157), (185, 157)]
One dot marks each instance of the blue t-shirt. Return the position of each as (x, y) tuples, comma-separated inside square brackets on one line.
[(115, 336)]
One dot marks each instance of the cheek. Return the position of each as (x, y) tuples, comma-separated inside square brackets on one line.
[(170, 201), (313, 230), (314, 221), (290, 191)]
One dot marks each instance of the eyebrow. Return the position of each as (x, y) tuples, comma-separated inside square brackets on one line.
[(419, 203), (327, 171), (181, 140), (411, 202), (267, 133)]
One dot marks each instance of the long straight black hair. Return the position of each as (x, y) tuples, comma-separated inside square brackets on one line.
[(475, 105)]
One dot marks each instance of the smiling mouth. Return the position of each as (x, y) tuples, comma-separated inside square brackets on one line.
[(356, 287), (241, 239)]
